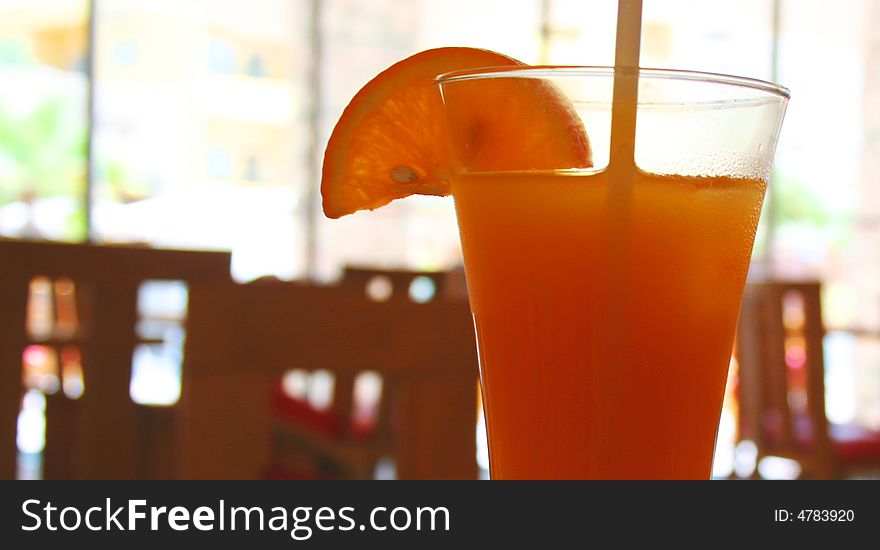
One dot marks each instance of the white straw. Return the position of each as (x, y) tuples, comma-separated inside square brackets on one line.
[(626, 83)]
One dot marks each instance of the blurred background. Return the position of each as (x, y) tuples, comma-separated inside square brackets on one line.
[(201, 125)]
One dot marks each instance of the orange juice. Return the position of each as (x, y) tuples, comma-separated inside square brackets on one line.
[(604, 335)]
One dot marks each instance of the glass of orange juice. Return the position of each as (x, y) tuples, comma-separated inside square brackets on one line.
[(606, 294)]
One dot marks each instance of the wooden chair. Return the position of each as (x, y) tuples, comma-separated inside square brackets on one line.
[(103, 433), (243, 338), (781, 387)]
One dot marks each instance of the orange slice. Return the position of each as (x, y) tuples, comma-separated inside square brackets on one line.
[(393, 139)]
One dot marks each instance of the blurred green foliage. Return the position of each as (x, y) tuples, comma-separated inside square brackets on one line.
[(796, 204), (43, 152)]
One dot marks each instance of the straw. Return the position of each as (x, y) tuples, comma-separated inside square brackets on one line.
[(621, 171), (626, 84)]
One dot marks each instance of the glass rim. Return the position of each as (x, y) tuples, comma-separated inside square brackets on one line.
[(565, 71)]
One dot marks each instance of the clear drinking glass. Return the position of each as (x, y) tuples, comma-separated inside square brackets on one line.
[(605, 299)]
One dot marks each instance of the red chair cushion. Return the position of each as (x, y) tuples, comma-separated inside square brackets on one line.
[(299, 412), (326, 422), (855, 444), (850, 443)]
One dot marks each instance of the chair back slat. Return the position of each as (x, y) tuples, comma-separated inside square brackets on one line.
[(781, 374)]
